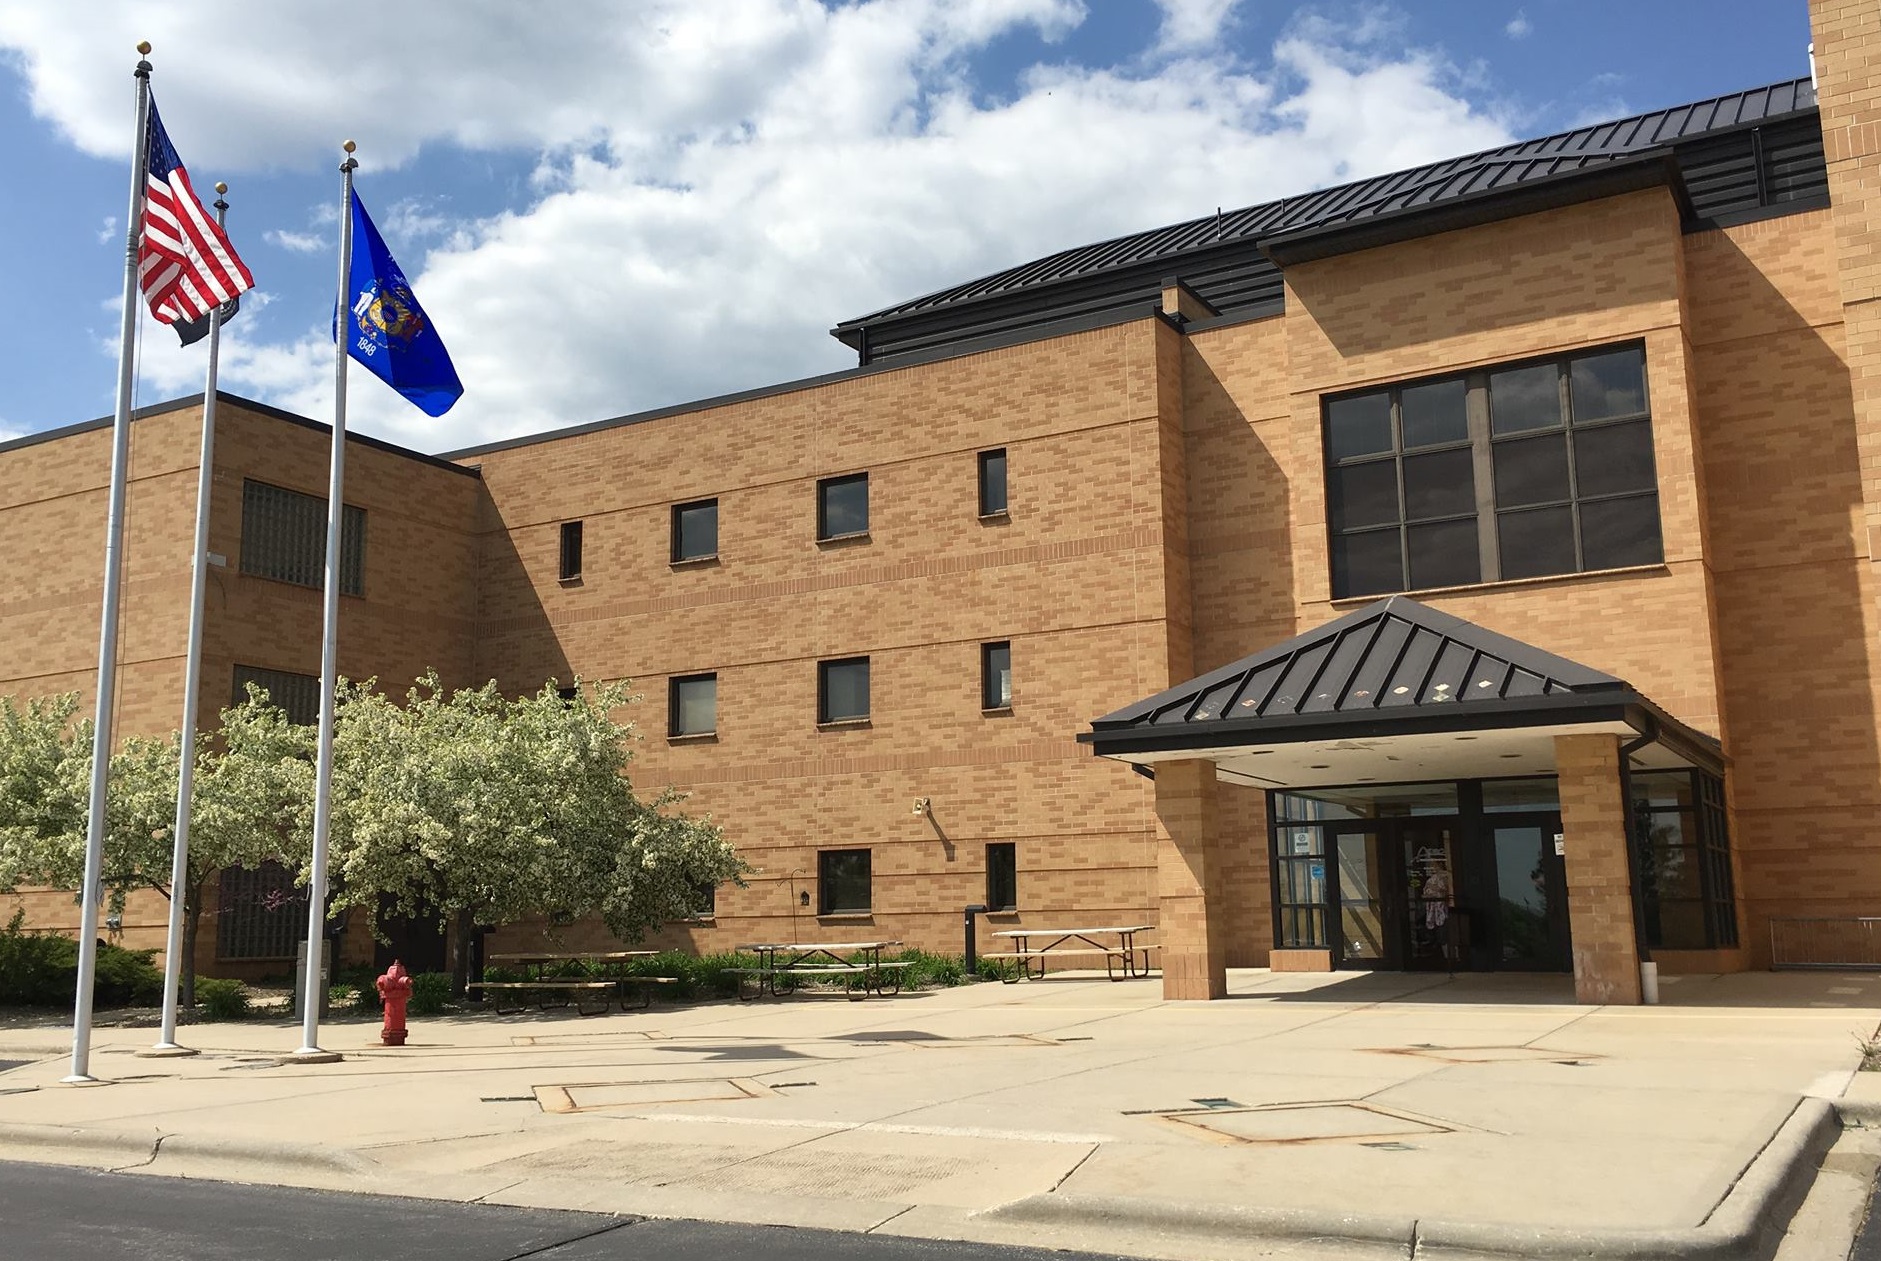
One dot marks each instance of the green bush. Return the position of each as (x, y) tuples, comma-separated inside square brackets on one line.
[(997, 969), (41, 970), (366, 999), (430, 993), (218, 998)]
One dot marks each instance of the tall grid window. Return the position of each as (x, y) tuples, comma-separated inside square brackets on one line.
[(993, 483), (842, 691), (1300, 885), (842, 507), (996, 675), (1518, 472), (695, 531), (1683, 854), (296, 694), (692, 705), (1002, 876), (284, 537), (259, 913), (842, 882), (571, 550)]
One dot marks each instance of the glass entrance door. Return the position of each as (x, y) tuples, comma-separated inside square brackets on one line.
[(1365, 941), (1531, 889)]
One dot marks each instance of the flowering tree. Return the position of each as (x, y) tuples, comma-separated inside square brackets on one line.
[(476, 808), (245, 807)]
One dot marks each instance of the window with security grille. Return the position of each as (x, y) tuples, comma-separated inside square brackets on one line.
[(298, 694), (284, 537), (260, 914)]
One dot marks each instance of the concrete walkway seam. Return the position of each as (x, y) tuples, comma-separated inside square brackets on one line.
[(1746, 1226)]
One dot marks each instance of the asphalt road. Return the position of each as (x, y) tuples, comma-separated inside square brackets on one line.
[(52, 1213)]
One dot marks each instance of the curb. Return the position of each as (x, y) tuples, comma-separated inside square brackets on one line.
[(124, 1147), (1746, 1226), (151, 1148)]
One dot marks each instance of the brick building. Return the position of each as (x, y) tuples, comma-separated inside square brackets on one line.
[(1472, 566)]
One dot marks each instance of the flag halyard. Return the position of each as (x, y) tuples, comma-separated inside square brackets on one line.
[(185, 264)]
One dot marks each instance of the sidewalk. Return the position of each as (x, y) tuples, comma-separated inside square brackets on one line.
[(1368, 1110)]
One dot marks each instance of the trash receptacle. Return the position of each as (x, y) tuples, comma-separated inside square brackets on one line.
[(326, 979)]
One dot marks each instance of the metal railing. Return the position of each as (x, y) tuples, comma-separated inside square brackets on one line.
[(1850, 942)]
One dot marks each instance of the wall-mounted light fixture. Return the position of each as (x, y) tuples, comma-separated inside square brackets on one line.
[(921, 805), (803, 899)]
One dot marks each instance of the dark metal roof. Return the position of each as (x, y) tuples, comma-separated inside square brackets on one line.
[(1727, 168), (1395, 664)]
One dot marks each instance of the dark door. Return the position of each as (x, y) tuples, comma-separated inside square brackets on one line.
[(1427, 854), (418, 943), (1531, 894)]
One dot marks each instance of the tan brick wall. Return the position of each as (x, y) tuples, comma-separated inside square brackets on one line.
[(1188, 881), (1600, 900)]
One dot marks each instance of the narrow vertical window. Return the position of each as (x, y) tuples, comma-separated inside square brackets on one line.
[(571, 551), (692, 705), (1002, 877), (993, 483), (843, 690), (695, 531), (842, 507), (996, 675)]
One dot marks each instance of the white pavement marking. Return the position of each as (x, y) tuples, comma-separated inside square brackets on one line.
[(874, 1127)]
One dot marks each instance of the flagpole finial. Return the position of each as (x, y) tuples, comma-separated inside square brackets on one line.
[(349, 146), (221, 188), (143, 48)]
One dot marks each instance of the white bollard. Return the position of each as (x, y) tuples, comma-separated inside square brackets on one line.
[(1649, 984)]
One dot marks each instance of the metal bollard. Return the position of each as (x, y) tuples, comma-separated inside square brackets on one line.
[(973, 965)]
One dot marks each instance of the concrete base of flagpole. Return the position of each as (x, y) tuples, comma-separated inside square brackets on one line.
[(312, 1055), (80, 1079), (166, 1051)]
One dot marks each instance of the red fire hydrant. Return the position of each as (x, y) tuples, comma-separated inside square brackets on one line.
[(394, 992)]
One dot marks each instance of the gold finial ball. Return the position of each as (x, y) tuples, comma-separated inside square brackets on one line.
[(349, 146), (221, 187), (143, 47)]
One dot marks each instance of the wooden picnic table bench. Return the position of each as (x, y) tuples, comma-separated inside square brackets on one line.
[(1123, 955), (790, 963), (537, 980)]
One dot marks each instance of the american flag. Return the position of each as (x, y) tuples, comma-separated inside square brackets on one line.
[(185, 265)]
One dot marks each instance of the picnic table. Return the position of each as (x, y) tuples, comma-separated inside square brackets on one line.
[(539, 969), (1117, 944), (858, 963)]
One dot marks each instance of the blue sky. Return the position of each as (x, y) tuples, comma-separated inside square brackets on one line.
[(632, 206)]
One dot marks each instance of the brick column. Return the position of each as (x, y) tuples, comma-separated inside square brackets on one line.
[(1599, 884), (1188, 882)]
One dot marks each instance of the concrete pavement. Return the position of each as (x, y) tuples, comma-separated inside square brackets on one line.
[(1362, 1114)]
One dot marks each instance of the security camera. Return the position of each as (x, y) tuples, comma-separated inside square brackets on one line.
[(920, 805)]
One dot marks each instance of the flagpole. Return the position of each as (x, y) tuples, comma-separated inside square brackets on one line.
[(173, 960), (95, 820), (310, 1051)]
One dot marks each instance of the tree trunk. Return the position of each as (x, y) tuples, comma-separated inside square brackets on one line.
[(460, 966), (192, 919)]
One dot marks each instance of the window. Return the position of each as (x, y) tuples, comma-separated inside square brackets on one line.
[(1002, 877), (704, 901), (842, 691), (1300, 886), (284, 537), (569, 695), (1516, 472), (695, 531), (842, 882), (1683, 854), (259, 913), (692, 705), (297, 694), (993, 483), (996, 675), (842, 507), (571, 551)]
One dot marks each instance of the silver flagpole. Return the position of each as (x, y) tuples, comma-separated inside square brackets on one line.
[(108, 629), (192, 685), (310, 1051)]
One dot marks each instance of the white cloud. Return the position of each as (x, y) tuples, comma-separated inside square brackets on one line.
[(717, 185), (108, 230), (1519, 26), (1192, 24), (298, 242)]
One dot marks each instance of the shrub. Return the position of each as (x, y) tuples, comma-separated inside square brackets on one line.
[(41, 970), (430, 993), (218, 998), (998, 969), (366, 998)]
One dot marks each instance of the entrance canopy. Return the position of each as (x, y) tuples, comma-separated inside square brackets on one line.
[(1392, 693)]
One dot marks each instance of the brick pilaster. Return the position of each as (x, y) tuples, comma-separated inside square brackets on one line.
[(1188, 881), (1599, 885)]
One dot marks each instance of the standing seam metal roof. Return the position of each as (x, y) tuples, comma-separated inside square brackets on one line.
[(1504, 167)]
